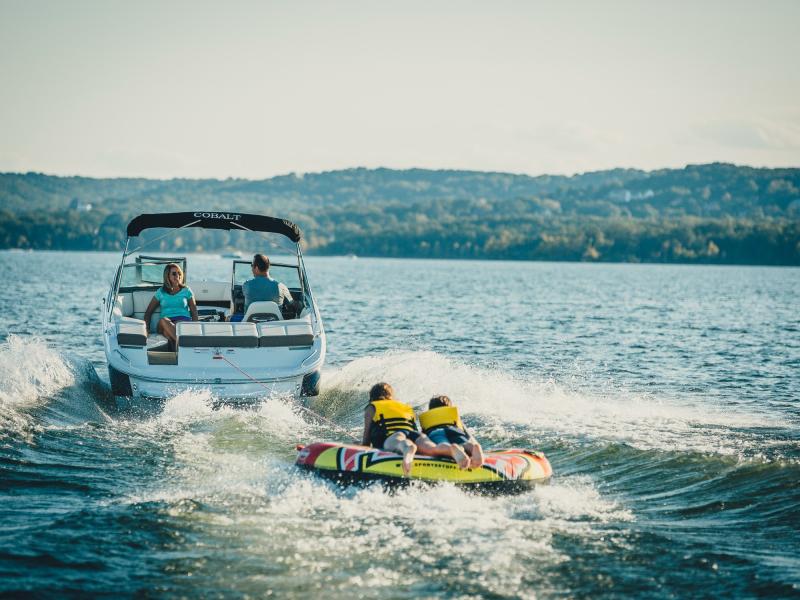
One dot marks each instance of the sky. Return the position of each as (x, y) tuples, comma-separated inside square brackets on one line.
[(257, 89)]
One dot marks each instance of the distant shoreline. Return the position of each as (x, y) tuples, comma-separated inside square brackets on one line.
[(702, 214), (313, 255)]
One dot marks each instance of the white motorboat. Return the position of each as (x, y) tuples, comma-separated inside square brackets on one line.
[(272, 350)]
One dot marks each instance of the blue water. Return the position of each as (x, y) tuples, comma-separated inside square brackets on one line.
[(666, 397)]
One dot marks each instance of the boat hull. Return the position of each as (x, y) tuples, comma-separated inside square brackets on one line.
[(243, 389), (276, 352)]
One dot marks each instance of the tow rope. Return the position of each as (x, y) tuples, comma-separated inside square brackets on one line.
[(308, 410)]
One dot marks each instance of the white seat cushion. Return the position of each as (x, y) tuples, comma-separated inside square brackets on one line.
[(285, 333), (264, 310), (131, 332), (193, 334)]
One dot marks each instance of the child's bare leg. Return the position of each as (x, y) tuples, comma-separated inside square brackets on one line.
[(454, 451), (458, 454), (475, 454), (400, 444), (409, 450)]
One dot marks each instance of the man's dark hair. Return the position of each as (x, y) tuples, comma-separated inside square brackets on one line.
[(261, 262)]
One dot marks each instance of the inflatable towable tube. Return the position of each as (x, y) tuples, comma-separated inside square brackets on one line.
[(507, 470)]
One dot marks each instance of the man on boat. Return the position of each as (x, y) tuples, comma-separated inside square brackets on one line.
[(262, 287)]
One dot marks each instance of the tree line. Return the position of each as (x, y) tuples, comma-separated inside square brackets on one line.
[(701, 214), (686, 240)]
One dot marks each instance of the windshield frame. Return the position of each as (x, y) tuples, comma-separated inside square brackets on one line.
[(280, 265), (139, 264)]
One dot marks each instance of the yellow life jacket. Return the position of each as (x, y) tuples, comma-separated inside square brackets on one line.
[(440, 417), (391, 416)]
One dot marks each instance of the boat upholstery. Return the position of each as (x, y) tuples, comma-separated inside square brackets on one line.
[(266, 311), (124, 305), (131, 332), (212, 293), (285, 333), (206, 293), (134, 304), (141, 300), (192, 334)]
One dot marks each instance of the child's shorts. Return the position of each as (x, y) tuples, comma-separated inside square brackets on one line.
[(448, 435), (377, 440)]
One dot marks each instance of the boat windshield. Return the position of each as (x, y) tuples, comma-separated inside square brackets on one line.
[(147, 272), (287, 274), (161, 240)]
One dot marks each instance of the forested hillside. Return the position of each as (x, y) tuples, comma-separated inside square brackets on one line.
[(716, 213)]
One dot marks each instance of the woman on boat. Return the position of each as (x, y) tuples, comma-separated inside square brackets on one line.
[(442, 424), (391, 425), (177, 304)]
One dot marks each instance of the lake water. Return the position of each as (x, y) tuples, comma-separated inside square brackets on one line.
[(667, 399)]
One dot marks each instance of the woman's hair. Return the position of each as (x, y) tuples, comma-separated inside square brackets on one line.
[(261, 262), (381, 391), (439, 401), (167, 269)]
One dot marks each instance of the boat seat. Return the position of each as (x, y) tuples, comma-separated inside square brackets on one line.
[(135, 305), (123, 307), (141, 299), (263, 311), (194, 334), (131, 332), (285, 333), (212, 293)]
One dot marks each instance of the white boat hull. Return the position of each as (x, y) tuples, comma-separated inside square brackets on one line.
[(244, 390), (228, 373), (270, 350)]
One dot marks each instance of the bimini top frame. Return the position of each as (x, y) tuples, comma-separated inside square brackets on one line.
[(209, 220), (214, 220)]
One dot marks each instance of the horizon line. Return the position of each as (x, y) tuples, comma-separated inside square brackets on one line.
[(301, 174)]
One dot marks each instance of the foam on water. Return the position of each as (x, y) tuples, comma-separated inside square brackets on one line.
[(30, 372), (576, 499), (509, 408), (273, 513), (232, 474), (221, 451), (229, 471), (37, 379), (449, 540), (187, 405)]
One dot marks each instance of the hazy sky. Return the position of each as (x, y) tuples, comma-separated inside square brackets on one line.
[(256, 89)]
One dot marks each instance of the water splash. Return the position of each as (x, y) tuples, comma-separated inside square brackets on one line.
[(30, 372), (40, 388), (188, 405), (507, 409)]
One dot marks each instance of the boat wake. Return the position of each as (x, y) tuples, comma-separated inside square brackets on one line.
[(508, 410), (231, 472), (41, 388), (622, 462)]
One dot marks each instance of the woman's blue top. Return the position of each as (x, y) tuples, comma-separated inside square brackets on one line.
[(174, 305)]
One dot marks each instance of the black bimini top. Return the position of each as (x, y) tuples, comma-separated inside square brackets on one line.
[(214, 220)]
